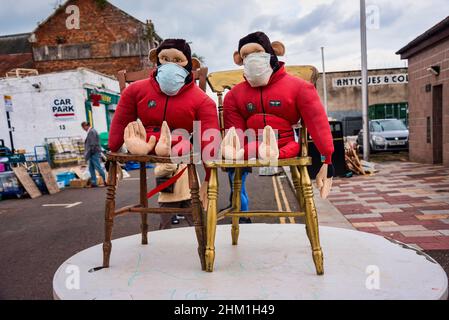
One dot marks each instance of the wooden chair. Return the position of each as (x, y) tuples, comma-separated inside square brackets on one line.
[(142, 208), (219, 82)]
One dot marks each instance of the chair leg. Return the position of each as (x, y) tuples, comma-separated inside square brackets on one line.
[(212, 195), (311, 219), (297, 182), (144, 202), (109, 213), (237, 205), (197, 213)]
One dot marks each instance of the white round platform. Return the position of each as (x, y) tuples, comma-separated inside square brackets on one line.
[(271, 262)]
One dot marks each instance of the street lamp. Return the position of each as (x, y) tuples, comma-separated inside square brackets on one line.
[(324, 81), (366, 148)]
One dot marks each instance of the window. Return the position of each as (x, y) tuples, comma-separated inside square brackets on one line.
[(392, 125)]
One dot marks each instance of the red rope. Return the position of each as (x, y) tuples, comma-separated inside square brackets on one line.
[(166, 184)]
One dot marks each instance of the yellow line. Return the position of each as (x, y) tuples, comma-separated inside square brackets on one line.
[(284, 198), (278, 200)]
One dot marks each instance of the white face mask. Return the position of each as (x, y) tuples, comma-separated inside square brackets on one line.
[(258, 69)]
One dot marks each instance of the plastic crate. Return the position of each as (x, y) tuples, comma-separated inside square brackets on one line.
[(10, 186), (131, 166), (40, 183), (64, 178)]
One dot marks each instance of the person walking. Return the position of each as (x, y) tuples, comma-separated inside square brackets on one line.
[(92, 153)]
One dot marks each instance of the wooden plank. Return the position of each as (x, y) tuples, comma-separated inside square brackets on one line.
[(48, 177), (78, 171), (27, 182)]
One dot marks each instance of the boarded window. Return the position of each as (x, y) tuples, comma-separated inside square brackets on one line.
[(127, 49), (62, 52)]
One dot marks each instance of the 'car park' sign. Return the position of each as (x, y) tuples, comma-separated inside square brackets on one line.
[(63, 109)]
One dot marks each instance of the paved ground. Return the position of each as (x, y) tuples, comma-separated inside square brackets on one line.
[(405, 201), (36, 240)]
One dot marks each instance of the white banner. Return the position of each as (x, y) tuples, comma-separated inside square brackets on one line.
[(380, 80)]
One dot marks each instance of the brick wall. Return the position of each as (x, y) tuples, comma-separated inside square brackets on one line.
[(109, 66), (99, 44), (421, 102)]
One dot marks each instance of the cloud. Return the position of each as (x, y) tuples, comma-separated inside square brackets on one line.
[(20, 16), (214, 27)]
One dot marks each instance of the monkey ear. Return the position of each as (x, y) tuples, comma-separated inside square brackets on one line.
[(153, 56), (238, 59), (196, 64), (279, 48)]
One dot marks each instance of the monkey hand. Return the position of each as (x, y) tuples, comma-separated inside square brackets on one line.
[(135, 139), (163, 147), (230, 147), (324, 181), (268, 149)]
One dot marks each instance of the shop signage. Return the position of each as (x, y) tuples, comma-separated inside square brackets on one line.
[(8, 103), (379, 80), (63, 109), (98, 98)]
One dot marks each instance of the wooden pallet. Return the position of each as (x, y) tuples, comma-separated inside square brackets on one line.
[(27, 182), (49, 179)]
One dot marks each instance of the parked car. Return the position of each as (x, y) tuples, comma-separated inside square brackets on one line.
[(386, 135)]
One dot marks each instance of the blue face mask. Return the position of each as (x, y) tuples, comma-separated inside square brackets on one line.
[(171, 78)]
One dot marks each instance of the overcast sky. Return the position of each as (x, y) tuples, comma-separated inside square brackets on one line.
[(215, 26)]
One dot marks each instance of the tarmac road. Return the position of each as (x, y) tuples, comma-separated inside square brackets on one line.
[(36, 239)]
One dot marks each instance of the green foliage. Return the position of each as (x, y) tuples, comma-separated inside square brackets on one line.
[(150, 31)]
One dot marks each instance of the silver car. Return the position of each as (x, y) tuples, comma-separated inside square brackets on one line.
[(386, 135)]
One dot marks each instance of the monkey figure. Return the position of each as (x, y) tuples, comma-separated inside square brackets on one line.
[(168, 100), (270, 99)]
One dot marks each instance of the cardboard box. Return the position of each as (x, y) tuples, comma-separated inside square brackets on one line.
[(100, 181), (78, 183)]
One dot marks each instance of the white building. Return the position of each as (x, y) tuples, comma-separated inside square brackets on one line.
[(54, 105)]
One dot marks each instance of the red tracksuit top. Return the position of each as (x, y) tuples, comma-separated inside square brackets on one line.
[(281, 104), (144, 100)]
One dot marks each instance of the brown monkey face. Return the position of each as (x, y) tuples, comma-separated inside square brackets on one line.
[(247, 49), (173, 56), (250, 48)]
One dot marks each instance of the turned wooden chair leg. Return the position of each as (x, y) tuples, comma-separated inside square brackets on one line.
[(212, 195), (144, 202), (312, 219), (109, 213), (197, 213), (296, 176), (237, 205)]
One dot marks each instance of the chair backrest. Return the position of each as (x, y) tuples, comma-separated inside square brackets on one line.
[(126, 78), (219, 82)]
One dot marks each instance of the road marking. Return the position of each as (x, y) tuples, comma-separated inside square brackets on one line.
[(67, 205), (278, 200), (284, 198)]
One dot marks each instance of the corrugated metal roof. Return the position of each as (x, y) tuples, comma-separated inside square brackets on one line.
[(15, 43)]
